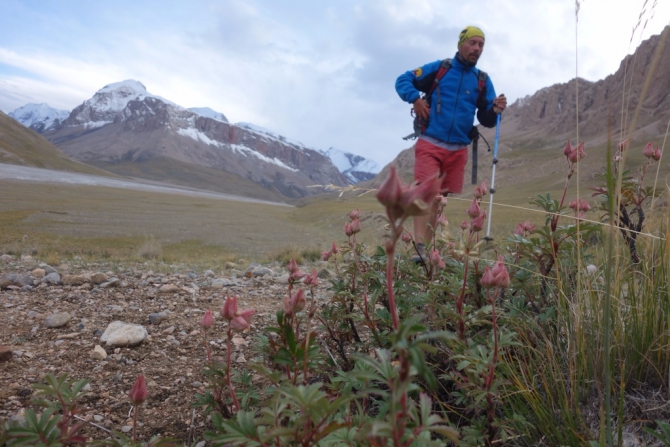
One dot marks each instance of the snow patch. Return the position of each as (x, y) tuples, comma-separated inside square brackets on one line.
[(35, 114), (246, 151), (268, 133), (209, 113), (199, 136)]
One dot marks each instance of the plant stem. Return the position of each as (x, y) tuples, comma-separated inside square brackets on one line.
[(231, 388)]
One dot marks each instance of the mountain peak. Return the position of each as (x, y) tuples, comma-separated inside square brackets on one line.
[(39, 117), (128, 86)]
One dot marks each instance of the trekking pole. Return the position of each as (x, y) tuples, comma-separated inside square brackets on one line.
[(492, 190)]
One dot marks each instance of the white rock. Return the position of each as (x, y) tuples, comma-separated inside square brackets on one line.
[(119, 333), (98, 353)]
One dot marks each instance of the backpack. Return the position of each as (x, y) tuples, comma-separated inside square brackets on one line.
[(420, 124)]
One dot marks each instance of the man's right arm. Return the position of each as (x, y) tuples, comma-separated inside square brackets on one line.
[(410, 84)]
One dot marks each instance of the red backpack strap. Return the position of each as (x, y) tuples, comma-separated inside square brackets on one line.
[(444, 68)]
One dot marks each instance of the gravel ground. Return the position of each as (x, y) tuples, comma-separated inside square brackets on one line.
[(80, 301)]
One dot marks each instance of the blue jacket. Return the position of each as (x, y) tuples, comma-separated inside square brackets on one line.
[(459, 90)]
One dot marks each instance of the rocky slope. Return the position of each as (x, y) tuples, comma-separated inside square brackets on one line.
[(58, 319)]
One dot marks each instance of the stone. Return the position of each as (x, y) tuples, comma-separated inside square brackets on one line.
[(208, 274), (158, 318), (114, 282), (69, 336), (230, 265), (168, 288), (120, 334), (57, 320), (324, 274), (5, 353), (241, 359), (220, 283), (591, 269), (282, 279), (51, 278), (74, 280), (38, 273), (99, 278), (126, 428), (98, 353), (48, 269), (6, 258), (168, 331)]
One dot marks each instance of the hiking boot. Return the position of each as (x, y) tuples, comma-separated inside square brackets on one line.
[(421, 254)]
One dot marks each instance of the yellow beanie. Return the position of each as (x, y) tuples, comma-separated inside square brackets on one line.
[(468, 33)]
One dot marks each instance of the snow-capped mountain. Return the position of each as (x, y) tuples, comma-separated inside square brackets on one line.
[(39, 117), (209, 113), (355, 167), (125, 123)]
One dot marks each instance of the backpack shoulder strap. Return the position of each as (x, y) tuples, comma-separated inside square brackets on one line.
[(444, 68)]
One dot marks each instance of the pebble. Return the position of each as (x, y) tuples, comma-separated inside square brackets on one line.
[(98, 353), (51, 278), (38, 273), (99, 278), (241, 359), (126, 428), (69, 336), (168, 331), (158, 318), (196, 384), (168, 288), (119, 333), (57, 320), (5, 353)]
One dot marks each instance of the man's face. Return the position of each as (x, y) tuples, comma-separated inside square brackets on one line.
[(472, 49)]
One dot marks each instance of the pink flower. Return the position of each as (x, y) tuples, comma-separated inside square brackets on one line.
[(573, 205), (568, 150), (355, 214), (441, 265), (500, 273), (355, 226), (623, 145), (443, 201), (311, 279), (347, 229), (442, 220), (652, 153), (233, 315), (474, 209), (477, 223), (325, 256), (334, 248), (207, 320), (294, 303), (416, 199), (406, 238), (464, 225), (584, 205), (294, 271), (520, 229), (481, 191), (574, 154), (229, 309), (435, 257), (488, 280), (138, 393), (648, 150), (389, 192), (528, 226), (239, 324)]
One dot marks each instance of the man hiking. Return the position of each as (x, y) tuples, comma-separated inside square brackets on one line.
[(448, 116)]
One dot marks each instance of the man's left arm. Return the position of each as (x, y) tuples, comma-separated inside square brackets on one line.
[(487, 114)]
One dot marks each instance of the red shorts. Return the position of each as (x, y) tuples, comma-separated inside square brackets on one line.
[(430, 159)]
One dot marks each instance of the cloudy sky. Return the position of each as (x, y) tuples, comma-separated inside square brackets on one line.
[(318, 71)]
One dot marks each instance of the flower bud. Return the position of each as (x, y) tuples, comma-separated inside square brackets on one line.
[(355, 226), (294, 302), (500, 273), (573, 205), (487, 281), (311, 279), (417, 199), (481, 191), (229, 309), (474, 209), (347, 229), (406, 238), (239, 324), (657, 154), (292, 266), (334, 248), (648, 150), (464, 225), (355, 214), (138, 393), (388, 194), (207, 320), (435, 257), (325, 256), (477, 223), (442, 220)]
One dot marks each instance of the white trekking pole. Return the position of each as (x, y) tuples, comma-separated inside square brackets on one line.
[(488, 237)]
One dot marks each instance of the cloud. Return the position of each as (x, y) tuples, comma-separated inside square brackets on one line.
[(318, 73)]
